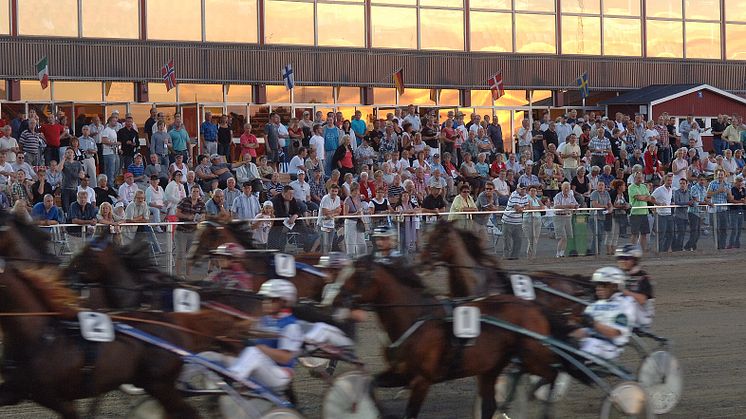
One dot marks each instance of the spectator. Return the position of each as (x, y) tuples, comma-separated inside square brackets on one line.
[(261, 228), (249, 144), (719, 192), (718, 127), (512, 223), (532, 221), (155, 168), (639, 197), (599, 147), (600, 199), (246, 206), (175, 191), (563, 202), (683, 199), (8, 144), (343, 158), (215, 208), (463, 202), (191, 183), (619, 216), (83, 214), (695, 212), (329, 208), (272, 143), (247, 172), (155, 198), (87, 145), (190, 209), (127, 189), (138, 212), (110, 150), (72, 172), (230, 193), (179, 141), (85, 186), (209, 132), (40, 188), (486, 201), (23, 165), (160, 142), (221, 169), (150, 125), (45, 213), (103, 192), (297, 163), (137, 168), (354, 227), (6, 169), (52, 131), (225, 139), (581, 187), (130, 141), (737, 200)]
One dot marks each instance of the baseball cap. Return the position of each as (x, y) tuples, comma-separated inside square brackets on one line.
[(300, 172), (529, 162), (214, 156), (268, 204), (128, 174)]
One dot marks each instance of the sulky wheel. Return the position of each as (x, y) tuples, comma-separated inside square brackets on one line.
[(281, 413), (146, 408), (627, 400), (660, 374), (512, 396), (349, 397)]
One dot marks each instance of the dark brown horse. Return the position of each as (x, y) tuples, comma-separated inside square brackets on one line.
[(430, 353), (47, 362), (309, 281), (21, 241)]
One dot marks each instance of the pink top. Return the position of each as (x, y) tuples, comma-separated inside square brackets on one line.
[(246, 139), (346, 161)]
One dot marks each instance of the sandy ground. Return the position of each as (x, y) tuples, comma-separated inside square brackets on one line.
[(699, 306)]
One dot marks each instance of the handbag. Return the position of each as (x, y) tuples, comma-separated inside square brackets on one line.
[(359, 225)]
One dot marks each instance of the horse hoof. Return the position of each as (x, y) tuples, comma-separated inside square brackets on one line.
[(131, 390)]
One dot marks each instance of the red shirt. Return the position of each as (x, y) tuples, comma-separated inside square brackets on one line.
[(52, 133), (247, 139), (651, 163), (346, 161), (368, 190)]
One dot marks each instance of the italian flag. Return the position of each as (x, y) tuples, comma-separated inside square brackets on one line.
[(42, 68)]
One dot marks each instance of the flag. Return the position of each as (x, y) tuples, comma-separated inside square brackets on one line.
[(434, 95), (42, 69), (168, 72), (107, 87), (496, 86), (288, 77), (583, 85), (399, 80)]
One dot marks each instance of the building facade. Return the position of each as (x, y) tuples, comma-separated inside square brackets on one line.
[(229, 54)]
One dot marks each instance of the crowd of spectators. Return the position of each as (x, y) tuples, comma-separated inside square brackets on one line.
[(403, 170)]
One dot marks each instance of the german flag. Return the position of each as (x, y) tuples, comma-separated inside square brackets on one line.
[(399, 80)]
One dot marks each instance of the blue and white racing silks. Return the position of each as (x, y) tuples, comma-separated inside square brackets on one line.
[(617, 312), (289, 333)]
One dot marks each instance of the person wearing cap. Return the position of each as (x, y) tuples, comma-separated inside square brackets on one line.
[(261, 227), (127, 189), (84, 185), (528, 178), (209, 132)]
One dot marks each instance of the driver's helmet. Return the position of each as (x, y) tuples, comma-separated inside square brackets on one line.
[(629, 251), (279, 288), (334, 260), (233, 250), (384, 231), (610, 275)]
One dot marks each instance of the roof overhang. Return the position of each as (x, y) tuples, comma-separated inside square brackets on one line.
[(696, 89)]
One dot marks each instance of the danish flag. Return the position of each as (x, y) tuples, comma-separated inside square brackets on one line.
[(496, 85), (169, 75)]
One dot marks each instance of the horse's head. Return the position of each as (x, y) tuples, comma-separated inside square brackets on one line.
[(358, 283), (439, 243), (209, 236), (21, 240)]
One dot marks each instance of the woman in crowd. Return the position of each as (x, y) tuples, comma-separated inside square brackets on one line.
[(248, 142), (417, 143), (532, 221), (379, 205), (295, 132), (408, 222), (680, 166), (179, 165), (354, 227), (344, 158), (312, 163), (422, 162), (483, 168), (364, 154), (619, 215), (265, 170), (261, 228), (379, 183), (108, 222), (581, 186), (225, 138), (54, 174), (550, 174), (175, 192)]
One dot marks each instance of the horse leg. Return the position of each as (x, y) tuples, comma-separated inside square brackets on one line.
[(66, 409), (171, 400), (486, 383), (391, 378), (420, 386), (8, 395)]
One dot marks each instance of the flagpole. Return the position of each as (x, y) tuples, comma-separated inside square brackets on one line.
[(583, 102)]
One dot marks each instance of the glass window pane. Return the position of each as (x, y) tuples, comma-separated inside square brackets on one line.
[(416, 97), (592, 7), (239, 93), (702, 40), (540, 95), (449, 97), (512, 98), (535, 5), (200, 92), (394, 27), (442, 29), (182, 23), (481, 98), (703, 9), (224, 17), (491, 31), (157, 93), (48, 17), (31, 90), (734, 11), (622, 37), (665, 39), (313, 94), (341, 25), (288, 22), (581, 35), (278, 94), (529, 39), (735, 42), (79, 91), (140, 113), (349, 95), (622, 7), (4, 18), (119, 91), (98, 15), (401, 2), (663, 8), (384, 96), (456, 4), (490, 4)]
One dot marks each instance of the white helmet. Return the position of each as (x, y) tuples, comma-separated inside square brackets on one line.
[(279, 288), (629, 251), (610, 275)]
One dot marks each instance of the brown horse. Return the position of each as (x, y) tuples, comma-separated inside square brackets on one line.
[(21, 241), (430, 353), (473, 271), (47, 362), (309, 281)]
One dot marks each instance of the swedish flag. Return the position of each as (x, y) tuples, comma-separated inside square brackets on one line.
[(583, 85)]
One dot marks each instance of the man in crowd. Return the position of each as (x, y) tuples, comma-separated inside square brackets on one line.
[(513, 222), (563, 229), (83, 215), (246, 206), (719, 192), (639, 197), (46, 213), (190, 209), (663, 195), (209, 132)]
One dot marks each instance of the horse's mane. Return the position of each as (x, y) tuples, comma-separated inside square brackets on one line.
[(242, 231), (31, 232), (402, 272), (473, 244), (50, 288)]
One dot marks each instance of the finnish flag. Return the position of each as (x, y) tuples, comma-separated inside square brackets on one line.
[(288, 77)]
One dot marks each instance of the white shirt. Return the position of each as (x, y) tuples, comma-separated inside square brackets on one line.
[(301, 191), (563, 131), (415, 121), (127, 192), (327, 223), (175, 192), (317, 142), (501, 187), (293, 165), (154, 196), (8, 168), (663, 196), (524, 137), (617, 312), (6, 143), (110, 135), (91, 194)]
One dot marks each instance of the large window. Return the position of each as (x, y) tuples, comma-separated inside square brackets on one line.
[(157, 93), (341, 25), (31, 91), (442, 29), (288, 22), (384, 96), (4, 18), (665, 39), (238, 93), (703, 9), (622, 37), (735, 11), (313, 94), (348, 95), (663, 9), (528, 37), (416, 97), (179, 23), (278, 94), (622, 7), (581, 35), (394, 27), (735, 42), (97, 17), (490, 4), (535, 5), (48, 17), (702, 40), (231, 21), (119, 91), (592, 7), (200, 92), (78, 91), (491, 31)]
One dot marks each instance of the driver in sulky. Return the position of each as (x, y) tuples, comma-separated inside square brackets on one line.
[(231, 274), (384, 245)]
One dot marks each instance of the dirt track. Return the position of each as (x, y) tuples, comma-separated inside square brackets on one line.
[(700, 307)]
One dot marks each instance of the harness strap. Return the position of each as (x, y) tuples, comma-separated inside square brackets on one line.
[(413, 328)]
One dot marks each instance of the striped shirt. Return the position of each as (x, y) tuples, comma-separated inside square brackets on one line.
[(29, 142), (561, 199), (599, 143), (510, 216)]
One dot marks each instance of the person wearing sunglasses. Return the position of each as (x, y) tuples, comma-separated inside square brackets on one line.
[(639, 286)]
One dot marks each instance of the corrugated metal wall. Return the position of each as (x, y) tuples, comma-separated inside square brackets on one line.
[(83, 59)]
